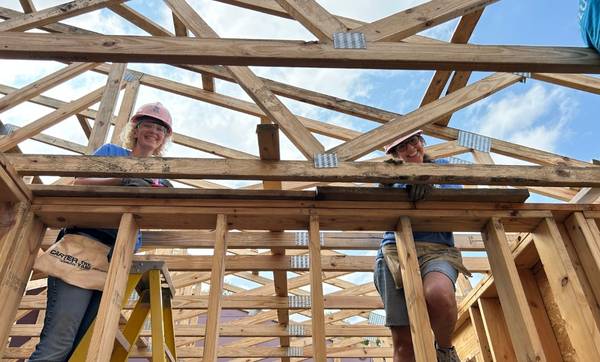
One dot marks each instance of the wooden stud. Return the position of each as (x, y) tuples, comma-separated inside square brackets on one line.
[(420, 327), (496, 330), (105, 326), (18, 250), (478, 326), (540, 315), (587, 249), (525, 338), (316, 290), (107, 107), (215, 295)]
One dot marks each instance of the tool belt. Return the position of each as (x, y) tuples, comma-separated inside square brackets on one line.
[(426, 252), (76, 259)]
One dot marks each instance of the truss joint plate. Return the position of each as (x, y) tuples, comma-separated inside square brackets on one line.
[(349, 40), (474, 141), (326, 160)]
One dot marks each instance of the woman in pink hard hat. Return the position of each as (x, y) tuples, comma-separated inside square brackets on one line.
[(71, 309), (439, 261)]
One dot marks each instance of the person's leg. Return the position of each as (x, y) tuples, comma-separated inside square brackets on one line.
[(65, 309), (402, 342), (396, 313), (88, 318), (439, 277)]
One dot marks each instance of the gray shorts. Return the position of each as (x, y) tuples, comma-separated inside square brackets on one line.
[(394, 301)]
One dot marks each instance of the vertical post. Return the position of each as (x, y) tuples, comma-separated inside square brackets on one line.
[(107, 320), (587, 249), (567, 291), (420, 327), (18, 250), (496, 330), (316, 290), (215, 296), (477, 323), (107, 106), (125, 111), (525, 338)]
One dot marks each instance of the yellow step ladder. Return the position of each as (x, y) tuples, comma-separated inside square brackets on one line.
[(152, 282)]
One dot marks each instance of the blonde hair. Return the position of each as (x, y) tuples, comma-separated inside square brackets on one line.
[(128, 139)]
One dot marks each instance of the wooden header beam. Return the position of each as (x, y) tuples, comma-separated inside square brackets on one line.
[(194, 168), (380, 55)]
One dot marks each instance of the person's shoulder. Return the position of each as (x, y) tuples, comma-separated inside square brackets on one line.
[(110, 149)]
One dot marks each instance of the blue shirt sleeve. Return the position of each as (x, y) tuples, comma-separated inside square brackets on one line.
[(111, 150)]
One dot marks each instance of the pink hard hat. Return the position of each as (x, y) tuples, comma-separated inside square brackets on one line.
[(388, 149), (154, 110)]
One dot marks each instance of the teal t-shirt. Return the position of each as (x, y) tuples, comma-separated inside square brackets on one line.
[(589, 22)]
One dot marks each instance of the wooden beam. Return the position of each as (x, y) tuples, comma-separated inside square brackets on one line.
[(316, 290), (524, 336), (186, 168), (211, 341), (581, 82), (242, 52), (27, 6), (423, 116), (85, 126), (126, 111), (461, 35), (26, 330), (268, 149), (478, 326), (47, 101), (420, 327), (57, 142), (587, 248), (496, 330), (53, 14), (51, 119), (106, 324), (253, 86), (39, 86), (314, 17), (18, 250), (411, 21), (107, 106), (12, 187)]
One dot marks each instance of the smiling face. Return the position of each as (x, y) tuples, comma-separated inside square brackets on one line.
[(412, 150), (149, 135)]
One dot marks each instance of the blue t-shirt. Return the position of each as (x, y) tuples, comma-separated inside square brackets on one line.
[(106, 236), (426, 236), (589, 22)]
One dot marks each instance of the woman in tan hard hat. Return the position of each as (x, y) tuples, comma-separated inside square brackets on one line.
[(439, 261), (71, 308)]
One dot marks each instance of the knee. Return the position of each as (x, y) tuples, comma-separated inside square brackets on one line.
[(440, 296)]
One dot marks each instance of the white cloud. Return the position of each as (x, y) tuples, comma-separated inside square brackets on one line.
[(537, 118)]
